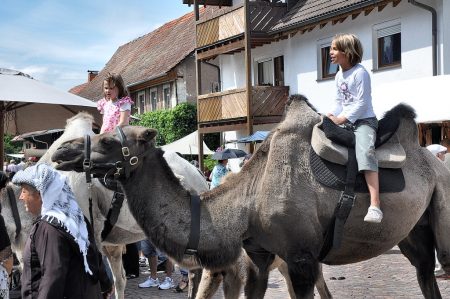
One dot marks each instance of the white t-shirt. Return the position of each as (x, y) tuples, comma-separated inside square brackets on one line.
[(354, 94)]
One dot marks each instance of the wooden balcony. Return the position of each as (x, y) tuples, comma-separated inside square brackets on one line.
[(230, 107), (229, 27)]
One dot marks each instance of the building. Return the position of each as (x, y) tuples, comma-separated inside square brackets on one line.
[(269, 49), (158, 68)]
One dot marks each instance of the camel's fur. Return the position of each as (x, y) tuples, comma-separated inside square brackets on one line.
[(277, 202)]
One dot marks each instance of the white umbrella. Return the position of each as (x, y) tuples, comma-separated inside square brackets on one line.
[(29, 105), (188, 145), (429, 96)]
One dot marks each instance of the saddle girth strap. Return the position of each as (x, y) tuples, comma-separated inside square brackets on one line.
[(14, 210), (333, 235), (113, 214), (194, 235)]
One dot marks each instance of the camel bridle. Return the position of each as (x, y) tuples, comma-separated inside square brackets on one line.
[(120, 170)]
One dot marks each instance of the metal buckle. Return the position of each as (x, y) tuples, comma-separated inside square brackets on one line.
[(345, 196), (87, 164), (125, 151), (134, 160)]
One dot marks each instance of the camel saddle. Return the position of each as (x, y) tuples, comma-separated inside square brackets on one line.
[(329, 159), (333, 163)]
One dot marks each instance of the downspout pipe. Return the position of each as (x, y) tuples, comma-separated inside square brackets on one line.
[(218, 72), (433, 31)]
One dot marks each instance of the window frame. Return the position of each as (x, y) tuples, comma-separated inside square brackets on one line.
[(139, 103), (323, 55), (167, 102), (379, 32), (153, 104)]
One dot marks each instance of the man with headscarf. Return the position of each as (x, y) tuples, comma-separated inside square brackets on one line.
[(60, 256)]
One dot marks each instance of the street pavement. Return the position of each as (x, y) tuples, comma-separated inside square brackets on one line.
[(387, 276)]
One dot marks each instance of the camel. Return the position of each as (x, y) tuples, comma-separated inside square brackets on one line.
[(126, 229), (276, 201)]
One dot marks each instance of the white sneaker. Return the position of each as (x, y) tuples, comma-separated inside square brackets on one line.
[(374, 215), (166, 284), (149, 283)]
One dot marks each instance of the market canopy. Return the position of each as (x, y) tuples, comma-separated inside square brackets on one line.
[(29, 105), (188, 145), (258, 136), (429, 96)]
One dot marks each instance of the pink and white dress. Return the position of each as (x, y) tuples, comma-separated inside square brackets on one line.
[(111, 112)]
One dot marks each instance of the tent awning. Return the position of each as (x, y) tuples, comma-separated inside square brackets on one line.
[(188, 145), (20, 88)]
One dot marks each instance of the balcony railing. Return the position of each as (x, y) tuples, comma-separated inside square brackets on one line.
[(267, 102), (263, 16)]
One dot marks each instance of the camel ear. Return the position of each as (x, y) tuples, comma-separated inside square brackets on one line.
[(147, 135)]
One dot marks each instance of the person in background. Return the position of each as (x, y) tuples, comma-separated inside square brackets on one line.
[(6, 254), (353, 106), (439, 152), (219, 171), (21, 165), (12, 168), (446, 142), (151, 253), (116, 104), (60, 259)]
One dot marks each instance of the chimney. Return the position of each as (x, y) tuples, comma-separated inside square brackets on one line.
[(92, 75), (291, 3)]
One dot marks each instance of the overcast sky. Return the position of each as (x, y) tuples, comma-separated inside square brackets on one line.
[(58, 41)]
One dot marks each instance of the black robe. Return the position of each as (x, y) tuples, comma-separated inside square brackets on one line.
[(54, 266)]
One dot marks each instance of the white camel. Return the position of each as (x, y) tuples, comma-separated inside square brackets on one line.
[(126, 230)]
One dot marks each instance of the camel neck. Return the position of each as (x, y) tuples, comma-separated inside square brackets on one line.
[(162, 207)]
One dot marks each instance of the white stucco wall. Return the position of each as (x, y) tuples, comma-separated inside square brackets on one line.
[(301, 51)]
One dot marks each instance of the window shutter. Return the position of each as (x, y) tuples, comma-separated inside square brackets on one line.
[(389, 31)]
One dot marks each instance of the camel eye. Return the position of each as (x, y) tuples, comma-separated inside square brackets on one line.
[(107, 141)]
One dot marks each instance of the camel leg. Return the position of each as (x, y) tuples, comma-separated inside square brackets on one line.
[(418, 247), (195, 277), (256, 284), (209, 284), (303, 270), (114, 255), (232, 284)]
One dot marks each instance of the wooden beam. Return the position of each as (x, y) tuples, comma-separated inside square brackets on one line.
[(395, 3), (368, 10), (381, 7), (233, 46), (248, 69), (221, 127), (355, 15)]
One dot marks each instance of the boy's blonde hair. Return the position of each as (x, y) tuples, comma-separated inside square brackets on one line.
[(351, 46), (116, 80)]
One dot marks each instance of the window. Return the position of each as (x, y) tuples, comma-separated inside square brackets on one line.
[(153, 98), (271, 71), (141, 102), (387, 45), (167, 97), (265, 72), (329, 69)]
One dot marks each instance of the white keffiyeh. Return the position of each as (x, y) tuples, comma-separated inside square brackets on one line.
[(58, 201)]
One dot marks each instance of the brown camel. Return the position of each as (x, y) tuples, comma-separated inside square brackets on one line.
[(277, 203)]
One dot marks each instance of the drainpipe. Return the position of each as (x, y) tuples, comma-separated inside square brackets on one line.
[(433, 31), (218, 72)]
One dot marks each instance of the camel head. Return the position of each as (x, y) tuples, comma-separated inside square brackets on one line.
[(107, 149)]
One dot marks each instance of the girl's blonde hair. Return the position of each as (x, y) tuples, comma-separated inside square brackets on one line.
[(351, 46), (116, 80)]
